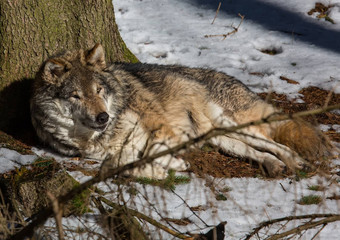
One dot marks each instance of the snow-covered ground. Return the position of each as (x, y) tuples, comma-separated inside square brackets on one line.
[(249, 201), (173, 32)]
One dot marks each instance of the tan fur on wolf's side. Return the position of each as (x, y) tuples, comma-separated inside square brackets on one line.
[(81, 106)]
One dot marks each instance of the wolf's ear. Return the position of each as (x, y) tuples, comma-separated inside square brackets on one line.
[(55, 68), (96, 57)]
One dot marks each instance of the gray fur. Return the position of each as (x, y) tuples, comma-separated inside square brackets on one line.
[(80, 106)]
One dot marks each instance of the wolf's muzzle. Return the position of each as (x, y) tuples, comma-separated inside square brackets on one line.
[(102, 118)]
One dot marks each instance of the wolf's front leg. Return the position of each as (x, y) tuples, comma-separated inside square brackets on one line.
[(168, 160), (95, 150), (230, 145), (159, 167), (138, 145), (149, 170), (257, 141)]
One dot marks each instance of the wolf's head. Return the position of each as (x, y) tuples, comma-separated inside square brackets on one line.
[(72, 92)]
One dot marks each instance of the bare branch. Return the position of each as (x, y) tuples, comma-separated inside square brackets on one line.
[(305, 226), (218, 9), (146, 218), (229, 33), (327, 219), (58, 214), (316, 234), (193, 212)]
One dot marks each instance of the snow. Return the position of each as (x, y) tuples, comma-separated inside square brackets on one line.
[(173, 32), (11, 159)]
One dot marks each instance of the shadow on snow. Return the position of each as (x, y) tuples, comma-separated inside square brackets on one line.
[(278, 19)]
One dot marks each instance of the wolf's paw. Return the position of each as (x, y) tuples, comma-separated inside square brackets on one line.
[(294, 162), (299, 164), (274, 168)]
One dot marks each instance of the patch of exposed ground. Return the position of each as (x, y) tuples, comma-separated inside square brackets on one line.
[(321, 11), (220, 165)]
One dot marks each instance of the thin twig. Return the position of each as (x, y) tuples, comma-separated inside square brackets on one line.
[(158, 213), (305, 226), (193, 212), (229, 33), (145, 218), (58, 214), (218, 9), (328, 218), (317, 233), (330, 95), (283, 187)]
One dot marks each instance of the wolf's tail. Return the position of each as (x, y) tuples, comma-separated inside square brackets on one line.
[(309, 142)]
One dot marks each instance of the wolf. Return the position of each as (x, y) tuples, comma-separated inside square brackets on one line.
[(82, 106)]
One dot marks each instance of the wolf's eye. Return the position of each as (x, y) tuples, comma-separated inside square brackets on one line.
[(99, 89), (75, 96)]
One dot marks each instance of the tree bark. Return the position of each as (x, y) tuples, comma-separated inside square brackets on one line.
[(33, 30)]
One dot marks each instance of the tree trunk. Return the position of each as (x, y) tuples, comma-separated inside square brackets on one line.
[(33, 30)]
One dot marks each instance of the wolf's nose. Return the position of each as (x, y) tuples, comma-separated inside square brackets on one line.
[(102, 118)]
